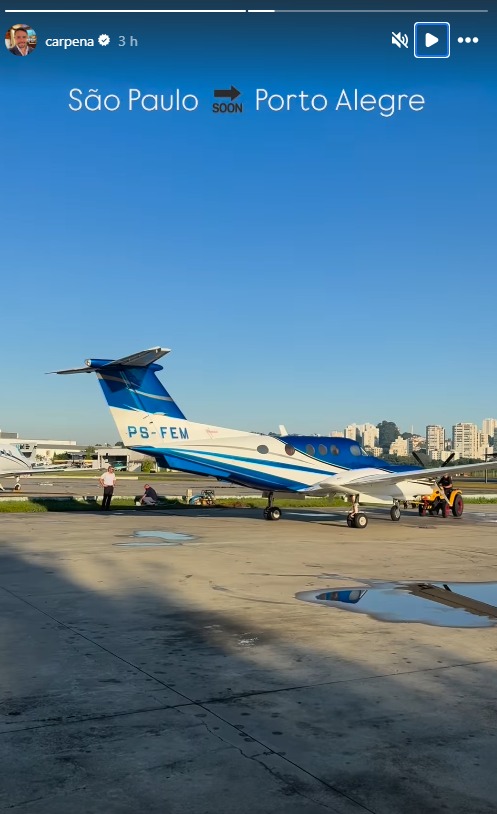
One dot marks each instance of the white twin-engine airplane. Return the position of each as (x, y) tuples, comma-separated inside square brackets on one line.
[(14, 464), (149, 421)]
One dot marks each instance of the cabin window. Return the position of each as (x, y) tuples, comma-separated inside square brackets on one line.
[(262, 448), (322, 449), (310, 449), (334, 450), (355, 450), (289, 449)]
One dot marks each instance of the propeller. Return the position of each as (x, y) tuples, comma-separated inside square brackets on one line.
[(419, 459), (423, 463)]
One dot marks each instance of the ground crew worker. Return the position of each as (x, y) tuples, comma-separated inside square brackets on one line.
[(150, 497), (446, 484)]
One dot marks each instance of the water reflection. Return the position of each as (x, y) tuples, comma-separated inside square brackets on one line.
[(154, 539), (469, 604), (347, 597)]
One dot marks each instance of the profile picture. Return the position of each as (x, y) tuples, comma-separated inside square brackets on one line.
[(20, 40)]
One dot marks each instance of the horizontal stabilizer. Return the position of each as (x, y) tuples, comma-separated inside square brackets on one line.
[(143, 358), (131, 383)]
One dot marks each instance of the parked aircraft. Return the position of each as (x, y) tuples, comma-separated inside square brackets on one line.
[(149, 421), (13, 464)]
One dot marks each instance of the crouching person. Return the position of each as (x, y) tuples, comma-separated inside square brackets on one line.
[(149, 497)]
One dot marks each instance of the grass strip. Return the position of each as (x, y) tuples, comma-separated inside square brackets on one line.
[(36, 505)]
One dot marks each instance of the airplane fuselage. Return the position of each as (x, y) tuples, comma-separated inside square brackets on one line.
[(11, 460), (292, 463)]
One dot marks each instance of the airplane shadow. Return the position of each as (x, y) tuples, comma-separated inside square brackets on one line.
[(328, 517)]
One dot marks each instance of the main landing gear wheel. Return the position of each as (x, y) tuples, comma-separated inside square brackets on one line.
[(357, 521), (395, 513), (458, 506), (272, 513)]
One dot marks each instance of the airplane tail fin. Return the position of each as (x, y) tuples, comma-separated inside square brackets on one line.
[(131, 383)]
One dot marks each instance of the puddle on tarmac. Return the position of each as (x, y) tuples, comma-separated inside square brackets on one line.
[(458, 604), (156, 539)]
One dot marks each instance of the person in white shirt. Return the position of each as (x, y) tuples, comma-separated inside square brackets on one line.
[(108, 481)]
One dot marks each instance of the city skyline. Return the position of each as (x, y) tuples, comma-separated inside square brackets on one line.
[(480, 425)]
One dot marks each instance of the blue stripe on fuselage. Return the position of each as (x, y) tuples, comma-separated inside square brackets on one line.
[(228, 470)]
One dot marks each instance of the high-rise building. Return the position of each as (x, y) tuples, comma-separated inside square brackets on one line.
[(365, 434), (466, 440), (488, 428), (370, 435), (435, 438), (352, 431), (399, 447)]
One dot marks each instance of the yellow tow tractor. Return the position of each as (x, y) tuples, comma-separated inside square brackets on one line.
[(440, 502)]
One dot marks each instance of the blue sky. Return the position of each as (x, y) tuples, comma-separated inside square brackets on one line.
[(310, 268)]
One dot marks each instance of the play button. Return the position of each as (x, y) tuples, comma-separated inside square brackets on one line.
[(430, 40)]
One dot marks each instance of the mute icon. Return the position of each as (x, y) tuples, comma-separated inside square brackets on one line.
[(400, 40)]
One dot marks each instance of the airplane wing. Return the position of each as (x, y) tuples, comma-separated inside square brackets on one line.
[(8, 473), (354, 478)]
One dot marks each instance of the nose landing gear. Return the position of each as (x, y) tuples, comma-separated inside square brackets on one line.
[(395, 511)]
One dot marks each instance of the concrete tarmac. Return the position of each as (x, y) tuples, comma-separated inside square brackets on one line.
[(141, 674)]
